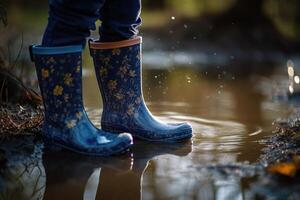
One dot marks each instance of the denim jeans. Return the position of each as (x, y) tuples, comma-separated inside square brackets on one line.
[(70, 21)]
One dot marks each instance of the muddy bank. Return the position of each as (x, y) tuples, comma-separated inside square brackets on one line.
[(284, 144), (21, 112)]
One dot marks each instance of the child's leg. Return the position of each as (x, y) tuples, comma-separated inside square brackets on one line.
[(120, 19), (70, 21)]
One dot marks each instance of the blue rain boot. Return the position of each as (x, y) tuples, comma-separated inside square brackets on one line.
[(118, 70), (66, 123)]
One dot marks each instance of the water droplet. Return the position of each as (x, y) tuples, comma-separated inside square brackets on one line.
[(291, 89), (297, 79), (188, 79), (291, 71), (173, 17), (185, 26)]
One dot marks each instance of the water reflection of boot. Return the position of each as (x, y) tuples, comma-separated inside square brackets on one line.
[(118, 70), (128, 184), (71, 176), (66, 123), (22, 174), (148, 150)]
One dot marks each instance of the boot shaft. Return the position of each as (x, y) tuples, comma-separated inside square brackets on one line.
[(59, 71), (118, 70)]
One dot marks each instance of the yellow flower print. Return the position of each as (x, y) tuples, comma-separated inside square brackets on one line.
[(103, 71), (79, 115), (78, 68), (119, 95), (45, 73), (71, 123), (123, 69), (57, 91), (112, 84), (116, 52), (68, 79), (132, 73)]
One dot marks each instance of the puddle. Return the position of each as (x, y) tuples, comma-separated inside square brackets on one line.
[(229, 117)]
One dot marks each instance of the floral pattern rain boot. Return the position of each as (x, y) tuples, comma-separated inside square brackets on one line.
[(66, 124), (118, 70)]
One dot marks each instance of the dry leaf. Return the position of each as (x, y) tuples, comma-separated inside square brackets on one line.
[(287, 169)]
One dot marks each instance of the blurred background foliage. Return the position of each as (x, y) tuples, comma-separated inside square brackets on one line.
[(238, 26), (209, 16), (283, 14)]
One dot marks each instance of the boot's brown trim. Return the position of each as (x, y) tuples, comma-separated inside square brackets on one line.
[(114, 45)]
